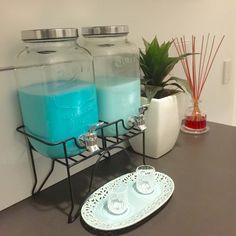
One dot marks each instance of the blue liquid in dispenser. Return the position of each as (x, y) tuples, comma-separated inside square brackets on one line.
[(56, 111), (118, 98)]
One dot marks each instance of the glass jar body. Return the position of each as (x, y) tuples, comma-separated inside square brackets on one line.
[(117, 78), (57, 94)]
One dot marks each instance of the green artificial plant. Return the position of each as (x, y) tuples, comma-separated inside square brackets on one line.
[(156, 64)]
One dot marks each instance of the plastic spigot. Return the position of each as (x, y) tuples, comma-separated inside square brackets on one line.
[(89, 140), (143, 108), (139, 121)]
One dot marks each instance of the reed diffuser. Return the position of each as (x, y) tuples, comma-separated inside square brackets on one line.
[(197, 68)]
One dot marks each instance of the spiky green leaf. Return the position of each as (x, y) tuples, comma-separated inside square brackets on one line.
[(183, 83), (151, 91), (156, 64)]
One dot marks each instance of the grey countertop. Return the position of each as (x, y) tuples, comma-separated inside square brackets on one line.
[(204, 201)]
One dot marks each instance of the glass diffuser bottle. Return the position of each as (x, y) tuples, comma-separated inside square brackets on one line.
[(195, 119), (196, 65)]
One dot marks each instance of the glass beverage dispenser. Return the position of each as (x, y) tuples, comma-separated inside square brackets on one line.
[(116, 66), (56, 89)]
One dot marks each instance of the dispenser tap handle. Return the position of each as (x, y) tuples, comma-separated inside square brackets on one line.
[(138, 122), (95, 126), (89, 140), (143, 108)]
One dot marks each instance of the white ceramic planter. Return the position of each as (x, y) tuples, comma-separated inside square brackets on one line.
[(163, 120)]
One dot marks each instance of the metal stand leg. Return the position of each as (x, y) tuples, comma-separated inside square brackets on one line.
[(34, 169), (70, 217), (93, 171), (144, 155), (95, 166), (34, 191), (108, 155)]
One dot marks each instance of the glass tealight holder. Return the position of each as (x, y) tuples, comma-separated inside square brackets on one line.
[(117, 202), (195, 120), (145, 182)]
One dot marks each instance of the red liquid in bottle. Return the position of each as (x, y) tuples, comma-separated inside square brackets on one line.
[(192, 122)]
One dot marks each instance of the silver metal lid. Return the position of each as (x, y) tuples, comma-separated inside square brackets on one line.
[(49, 34), (105, 30)]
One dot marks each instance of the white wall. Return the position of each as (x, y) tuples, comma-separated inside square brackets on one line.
[(164, 18)]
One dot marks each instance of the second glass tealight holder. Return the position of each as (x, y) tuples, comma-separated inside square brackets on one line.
[(145, 182)]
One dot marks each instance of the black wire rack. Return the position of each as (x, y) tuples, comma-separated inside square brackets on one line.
[(107, 144)]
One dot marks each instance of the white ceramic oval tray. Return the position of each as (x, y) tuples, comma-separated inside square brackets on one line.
[(95, 213)]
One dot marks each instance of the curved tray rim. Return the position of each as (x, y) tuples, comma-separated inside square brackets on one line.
[(89, 219)]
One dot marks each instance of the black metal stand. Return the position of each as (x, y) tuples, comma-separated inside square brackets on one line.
[(108, 143)]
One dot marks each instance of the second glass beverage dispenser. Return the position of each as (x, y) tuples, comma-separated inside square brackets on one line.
[(56, 89), (117, 78)]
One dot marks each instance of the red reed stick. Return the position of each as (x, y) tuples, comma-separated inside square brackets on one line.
[(183, 44), (216, 51), (183, 61), (194, 68), (206, 60), (207, 65), (180, 52), (200, 65)]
